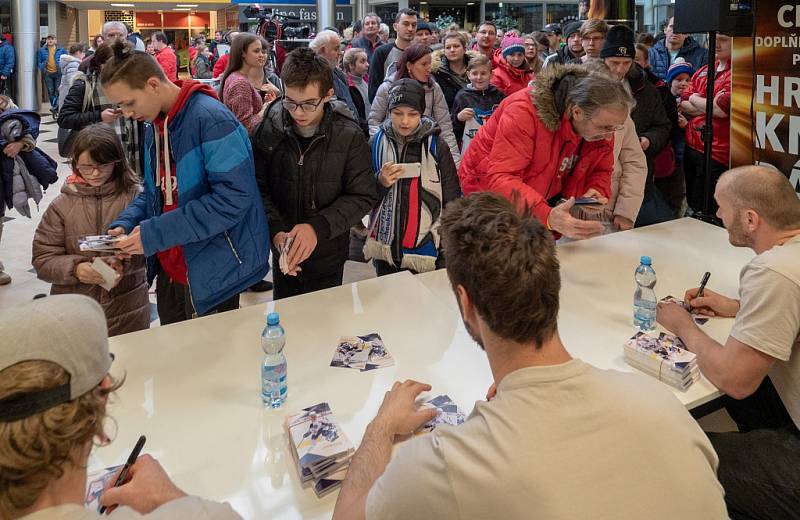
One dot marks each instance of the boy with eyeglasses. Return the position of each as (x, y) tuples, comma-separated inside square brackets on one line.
[(314, 172)]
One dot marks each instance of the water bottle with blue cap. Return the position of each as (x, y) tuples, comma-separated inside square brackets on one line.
[(644, 299), (273, 369)]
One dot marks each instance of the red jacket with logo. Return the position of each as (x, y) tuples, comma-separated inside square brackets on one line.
[(529, 146), (721, 145)]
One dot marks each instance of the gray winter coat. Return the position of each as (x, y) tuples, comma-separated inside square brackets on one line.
[(435, 108), (69, 68)]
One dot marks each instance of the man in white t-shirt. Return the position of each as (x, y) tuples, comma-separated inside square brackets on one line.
[(54, 387), (558, 438), (760, 465)]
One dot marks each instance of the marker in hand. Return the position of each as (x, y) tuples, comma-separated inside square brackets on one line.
[(123, 474), (703, 283)]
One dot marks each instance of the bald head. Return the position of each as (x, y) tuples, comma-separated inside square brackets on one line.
[(764, 190)]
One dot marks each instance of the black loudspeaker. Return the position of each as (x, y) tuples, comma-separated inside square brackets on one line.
[(731, 17)]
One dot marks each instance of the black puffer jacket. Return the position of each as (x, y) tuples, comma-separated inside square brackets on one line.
[(649, 117), (72, 115), (329, 185)]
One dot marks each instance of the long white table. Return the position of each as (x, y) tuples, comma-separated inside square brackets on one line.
[(194, 388), (596, 314)]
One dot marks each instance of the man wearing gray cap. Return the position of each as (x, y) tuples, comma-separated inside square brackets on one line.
[(54, 385)]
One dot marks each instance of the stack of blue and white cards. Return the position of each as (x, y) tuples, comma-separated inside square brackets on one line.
[(664, 357), (320, 448)]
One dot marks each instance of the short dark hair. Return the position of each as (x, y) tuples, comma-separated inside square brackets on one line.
[(488, 22), (75, 48), (505, 260), (304, 66), (159, 36), (406, 11)]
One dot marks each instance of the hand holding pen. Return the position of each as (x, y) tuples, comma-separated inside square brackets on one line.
[(708, 303), (147, 487)]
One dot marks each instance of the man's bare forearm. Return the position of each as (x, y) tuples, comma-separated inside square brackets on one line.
[(368, 464)]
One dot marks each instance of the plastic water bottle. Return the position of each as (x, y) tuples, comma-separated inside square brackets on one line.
[(644, 299), (273, 369)]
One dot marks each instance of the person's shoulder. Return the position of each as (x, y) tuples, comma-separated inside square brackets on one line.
[(780, 259)]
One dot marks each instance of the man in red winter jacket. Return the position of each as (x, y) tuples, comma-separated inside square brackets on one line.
[(552, 142), (165, 56)]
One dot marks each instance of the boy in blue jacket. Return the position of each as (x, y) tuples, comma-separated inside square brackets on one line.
[(199, 220)]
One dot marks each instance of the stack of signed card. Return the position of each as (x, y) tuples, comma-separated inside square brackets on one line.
[(283, 261), (448, 413), (319, 447), (700, 320), (99, 243), (362, 352), (664, 357)]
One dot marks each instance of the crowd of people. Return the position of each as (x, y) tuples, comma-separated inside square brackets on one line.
[(460, 150)]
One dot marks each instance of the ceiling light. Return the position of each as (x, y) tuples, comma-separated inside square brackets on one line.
[(181, 9), (186, 5), (121, 5)]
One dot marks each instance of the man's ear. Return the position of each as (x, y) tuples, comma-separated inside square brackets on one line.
[(466, 305), (328, 96)]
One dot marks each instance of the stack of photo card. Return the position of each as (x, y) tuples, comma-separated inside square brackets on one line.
[(664, 357), (700, 320), (362, 353), (449, 413), (99, 243), (319, 447), (96, 483)]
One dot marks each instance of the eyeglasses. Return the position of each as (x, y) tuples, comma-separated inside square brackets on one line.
[(596, 39), (89, 170), (307, 106), (608, 129)]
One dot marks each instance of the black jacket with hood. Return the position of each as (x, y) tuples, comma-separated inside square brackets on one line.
[(449, 81), (469, 97), (328, 185)]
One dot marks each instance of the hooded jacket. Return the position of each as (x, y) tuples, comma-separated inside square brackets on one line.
[(81, 210), (219, 220), (7, 59), (485, 100), (449, 81), (529, 146), (38, 163), (410, 151), (509, 79), (691, 52), (329, 185), (562, 56), (69, 68), (435, 108)]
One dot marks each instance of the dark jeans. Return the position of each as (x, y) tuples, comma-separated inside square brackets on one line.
[(654, 209), (694, 169), (52, 81), (759, 466), (174, 303), (305, 281)]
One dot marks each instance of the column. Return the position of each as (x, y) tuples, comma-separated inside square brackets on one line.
[(401, 4), (360, 8), (326, 14), (52, 18), (25, 27), (83, 26)]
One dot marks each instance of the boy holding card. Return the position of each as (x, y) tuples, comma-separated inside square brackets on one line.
[(99, 189), (312, 166), (417, 177)]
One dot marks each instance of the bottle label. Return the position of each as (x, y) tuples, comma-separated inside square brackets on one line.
[(275, 374)]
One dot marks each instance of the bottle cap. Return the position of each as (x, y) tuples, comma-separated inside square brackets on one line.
[(645, 260), (273, 318)]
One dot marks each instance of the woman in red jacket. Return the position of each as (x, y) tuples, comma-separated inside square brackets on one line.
[(550, 142)]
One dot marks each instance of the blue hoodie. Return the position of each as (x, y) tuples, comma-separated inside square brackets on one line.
[(220, 220)]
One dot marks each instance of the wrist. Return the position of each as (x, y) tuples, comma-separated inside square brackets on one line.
[(381, 428)]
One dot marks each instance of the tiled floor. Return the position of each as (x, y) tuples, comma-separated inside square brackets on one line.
[(18, 231)]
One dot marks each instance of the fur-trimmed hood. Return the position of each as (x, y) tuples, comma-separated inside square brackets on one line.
[(550, 94)]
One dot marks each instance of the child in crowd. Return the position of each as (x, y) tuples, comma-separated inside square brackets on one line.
[(355, 64), (476, 102), (314, 173), (199, 220), (99, 189), (202, 63), (404, 227), (511, 71)]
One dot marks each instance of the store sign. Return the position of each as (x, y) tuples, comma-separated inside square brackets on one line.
[(308, 13), (771, 132)]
